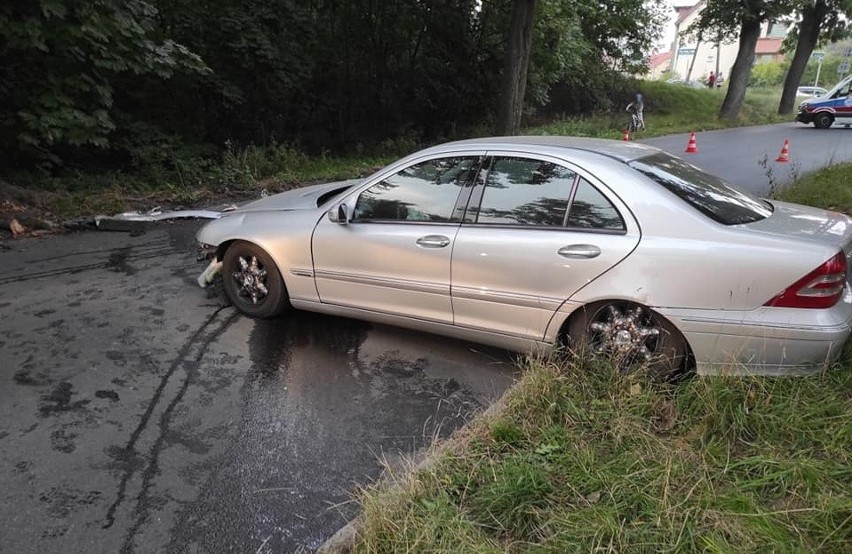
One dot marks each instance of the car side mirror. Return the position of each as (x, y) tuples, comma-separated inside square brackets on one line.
[(339, 214)]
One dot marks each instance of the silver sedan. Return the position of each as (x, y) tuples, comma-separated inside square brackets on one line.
[(527, 242)]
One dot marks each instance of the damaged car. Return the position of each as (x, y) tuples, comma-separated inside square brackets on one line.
[(527, 242)]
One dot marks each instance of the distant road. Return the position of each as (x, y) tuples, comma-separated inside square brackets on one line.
[(735, 154)]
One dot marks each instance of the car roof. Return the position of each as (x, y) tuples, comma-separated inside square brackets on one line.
[(623, 151)]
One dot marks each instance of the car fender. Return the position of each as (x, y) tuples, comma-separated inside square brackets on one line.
[(284, 234), (825, 109)]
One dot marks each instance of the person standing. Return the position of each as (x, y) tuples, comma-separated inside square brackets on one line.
[(711, 80), (637, 108)]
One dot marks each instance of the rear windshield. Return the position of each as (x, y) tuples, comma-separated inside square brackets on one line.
[(708, 194)]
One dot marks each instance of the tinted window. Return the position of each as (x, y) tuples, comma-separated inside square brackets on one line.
[(423, 192), (708, 194), (591, 210), (520, 191)]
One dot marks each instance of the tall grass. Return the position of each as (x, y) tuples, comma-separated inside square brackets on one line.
[(584, 459)]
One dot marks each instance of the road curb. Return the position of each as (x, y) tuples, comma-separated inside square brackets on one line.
[(344, 540)]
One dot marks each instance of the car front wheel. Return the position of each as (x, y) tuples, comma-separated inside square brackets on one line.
[(631, 336), (823, 120), (252, 281)]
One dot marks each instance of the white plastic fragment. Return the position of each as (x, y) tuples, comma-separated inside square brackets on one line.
[(209, 274)]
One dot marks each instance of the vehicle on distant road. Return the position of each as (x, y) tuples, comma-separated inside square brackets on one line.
[(811, 91), (525, 242), (833, 106)]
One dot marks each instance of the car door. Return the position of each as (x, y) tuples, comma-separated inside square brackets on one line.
[(393, 253), (535, 232)]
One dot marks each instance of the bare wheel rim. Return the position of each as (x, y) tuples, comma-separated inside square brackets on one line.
[(627, 334), (251, 279)]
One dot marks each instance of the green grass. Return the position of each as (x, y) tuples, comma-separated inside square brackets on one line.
[(830, 188), (585, 459), (672, 109), (192, 180)]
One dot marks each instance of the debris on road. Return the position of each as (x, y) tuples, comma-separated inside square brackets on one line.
[(209, 274), (16, 228), (134, 221)]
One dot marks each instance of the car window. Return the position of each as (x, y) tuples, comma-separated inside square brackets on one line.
[(423, 192), (591, 210), (706, 193), (522, 191)]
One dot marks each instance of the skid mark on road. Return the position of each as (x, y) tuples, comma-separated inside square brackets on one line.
[(138, 255), (129, 450)]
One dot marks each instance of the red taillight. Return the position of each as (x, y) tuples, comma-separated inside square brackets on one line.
[(821, 288)]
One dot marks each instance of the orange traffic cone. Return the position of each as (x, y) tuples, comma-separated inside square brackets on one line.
[(692, 146), (784, 156), (626, 137)]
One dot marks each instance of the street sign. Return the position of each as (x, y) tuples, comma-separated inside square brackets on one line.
[(843, 68), (685, 51), (818, 56)]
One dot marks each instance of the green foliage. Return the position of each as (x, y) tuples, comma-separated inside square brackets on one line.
[(768, 74), (112, 85), (58, 63)]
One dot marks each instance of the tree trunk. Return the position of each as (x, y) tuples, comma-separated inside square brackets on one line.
[(809, 30), (741, 71), (515, 66)]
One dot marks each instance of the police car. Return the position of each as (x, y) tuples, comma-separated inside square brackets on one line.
[(835, 105)]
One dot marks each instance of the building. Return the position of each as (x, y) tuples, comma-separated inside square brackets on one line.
[(693, 60)]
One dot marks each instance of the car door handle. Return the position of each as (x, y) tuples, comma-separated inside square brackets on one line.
[(433, 241), (579, 251)]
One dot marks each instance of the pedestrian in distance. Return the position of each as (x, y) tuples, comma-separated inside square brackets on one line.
[(637, 114), (711, 80)]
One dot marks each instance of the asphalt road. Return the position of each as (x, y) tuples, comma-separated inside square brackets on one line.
[(737, 154), (139, 414)]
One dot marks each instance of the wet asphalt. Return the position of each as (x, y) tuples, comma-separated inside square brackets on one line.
[(140, 413)]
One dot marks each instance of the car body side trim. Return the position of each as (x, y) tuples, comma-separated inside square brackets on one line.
[(513, 298), (401, 284), (301, 272)]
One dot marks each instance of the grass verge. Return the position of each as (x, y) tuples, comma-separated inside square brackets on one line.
[(829, 188), (672, 109), (177, 180), (586, 459)]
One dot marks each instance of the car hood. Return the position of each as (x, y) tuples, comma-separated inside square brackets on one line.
[(803, 222), (303, 198)]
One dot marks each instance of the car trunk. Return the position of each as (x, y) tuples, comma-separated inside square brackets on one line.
[(802, 222)]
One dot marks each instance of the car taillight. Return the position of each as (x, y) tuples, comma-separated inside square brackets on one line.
[(821, 288)]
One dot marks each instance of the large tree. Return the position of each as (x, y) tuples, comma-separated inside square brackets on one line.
[(515, 67), (818, 20), (742, 19)]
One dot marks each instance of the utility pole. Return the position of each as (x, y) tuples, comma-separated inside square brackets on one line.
[(694, 55), (818, 56)]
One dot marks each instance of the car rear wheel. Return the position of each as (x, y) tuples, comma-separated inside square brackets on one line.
[(823, 120), (631, 336), (252, 281)]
